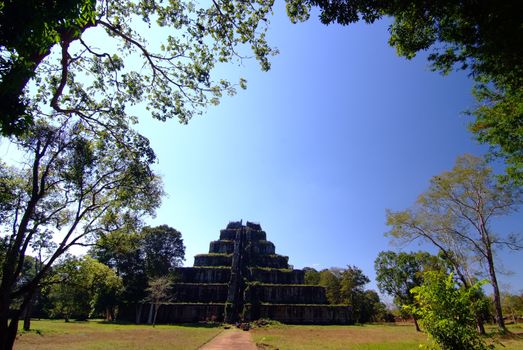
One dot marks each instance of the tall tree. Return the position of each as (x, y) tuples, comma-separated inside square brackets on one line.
[(484, 38), (163, 249), (71, 185), (91, 56), (140, 257), (456, 212)]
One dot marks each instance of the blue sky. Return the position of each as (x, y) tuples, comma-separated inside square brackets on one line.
[(317, 148)]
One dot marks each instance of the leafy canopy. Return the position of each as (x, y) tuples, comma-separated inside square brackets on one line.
[(95, 59)]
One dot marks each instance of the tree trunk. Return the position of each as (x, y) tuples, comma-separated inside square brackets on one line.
[(150, 318), (27, 315), (156, 307), (139, 308), (497, 296), (416, 324), (479, 324), (8, 329)]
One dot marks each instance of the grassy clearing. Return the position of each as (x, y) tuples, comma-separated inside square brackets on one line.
[(366, 337), (93, 335)]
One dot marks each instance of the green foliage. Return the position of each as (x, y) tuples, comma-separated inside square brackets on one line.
[(512, 305), (447, 312), (83, 287), (484, 38), (141, 257), (98, 76), (398, 273), (347, 287), (311, 276), (454, 215), (28, 31), (332, 286), (163, 248)]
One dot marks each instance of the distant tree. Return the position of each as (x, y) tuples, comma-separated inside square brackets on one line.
[(448, 312), (352, 291), (372, 309), (163, 248), (484, 38), (82, 288), (512, 305), (455, 214), (398, 273), (331, 283), (311, 276), (159, 292)]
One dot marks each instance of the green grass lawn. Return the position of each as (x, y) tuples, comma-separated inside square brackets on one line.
[(366, 337), (94, 335)]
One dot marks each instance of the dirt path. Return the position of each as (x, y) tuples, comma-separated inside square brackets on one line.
[(231, 339)]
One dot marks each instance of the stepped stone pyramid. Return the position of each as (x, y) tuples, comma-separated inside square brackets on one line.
[(243, 279)]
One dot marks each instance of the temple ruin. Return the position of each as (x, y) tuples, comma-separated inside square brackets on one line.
[(243, 279)]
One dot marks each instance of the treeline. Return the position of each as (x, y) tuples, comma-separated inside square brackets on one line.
[(346, 286), (402, 276), (120, 268)]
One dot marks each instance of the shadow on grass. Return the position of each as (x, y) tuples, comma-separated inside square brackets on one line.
[(189, 325)]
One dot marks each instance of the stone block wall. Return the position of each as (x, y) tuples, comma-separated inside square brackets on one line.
[(285, 294), (200, 292), (276, 276), (301, 314), (203, 274), (213, 260)]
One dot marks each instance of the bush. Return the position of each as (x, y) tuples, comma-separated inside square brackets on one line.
[(447, 312)]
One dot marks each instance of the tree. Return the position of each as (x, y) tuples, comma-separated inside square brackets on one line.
[(163, 249), (140, 257), (372, 309), (484, 38), (331, 282), (159, 290), (352, 292), (89, 56), (447, 312), (71, 185), (398, 273), (82, 288), (512, 305), (311, 276), (455, 216)]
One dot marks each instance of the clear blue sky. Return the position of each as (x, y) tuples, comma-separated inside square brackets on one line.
[(316, 149)]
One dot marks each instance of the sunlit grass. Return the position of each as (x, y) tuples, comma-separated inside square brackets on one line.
[(95, 335), (366, 337)]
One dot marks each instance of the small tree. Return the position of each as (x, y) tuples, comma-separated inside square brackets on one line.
[(447, 312), (159, 291)]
